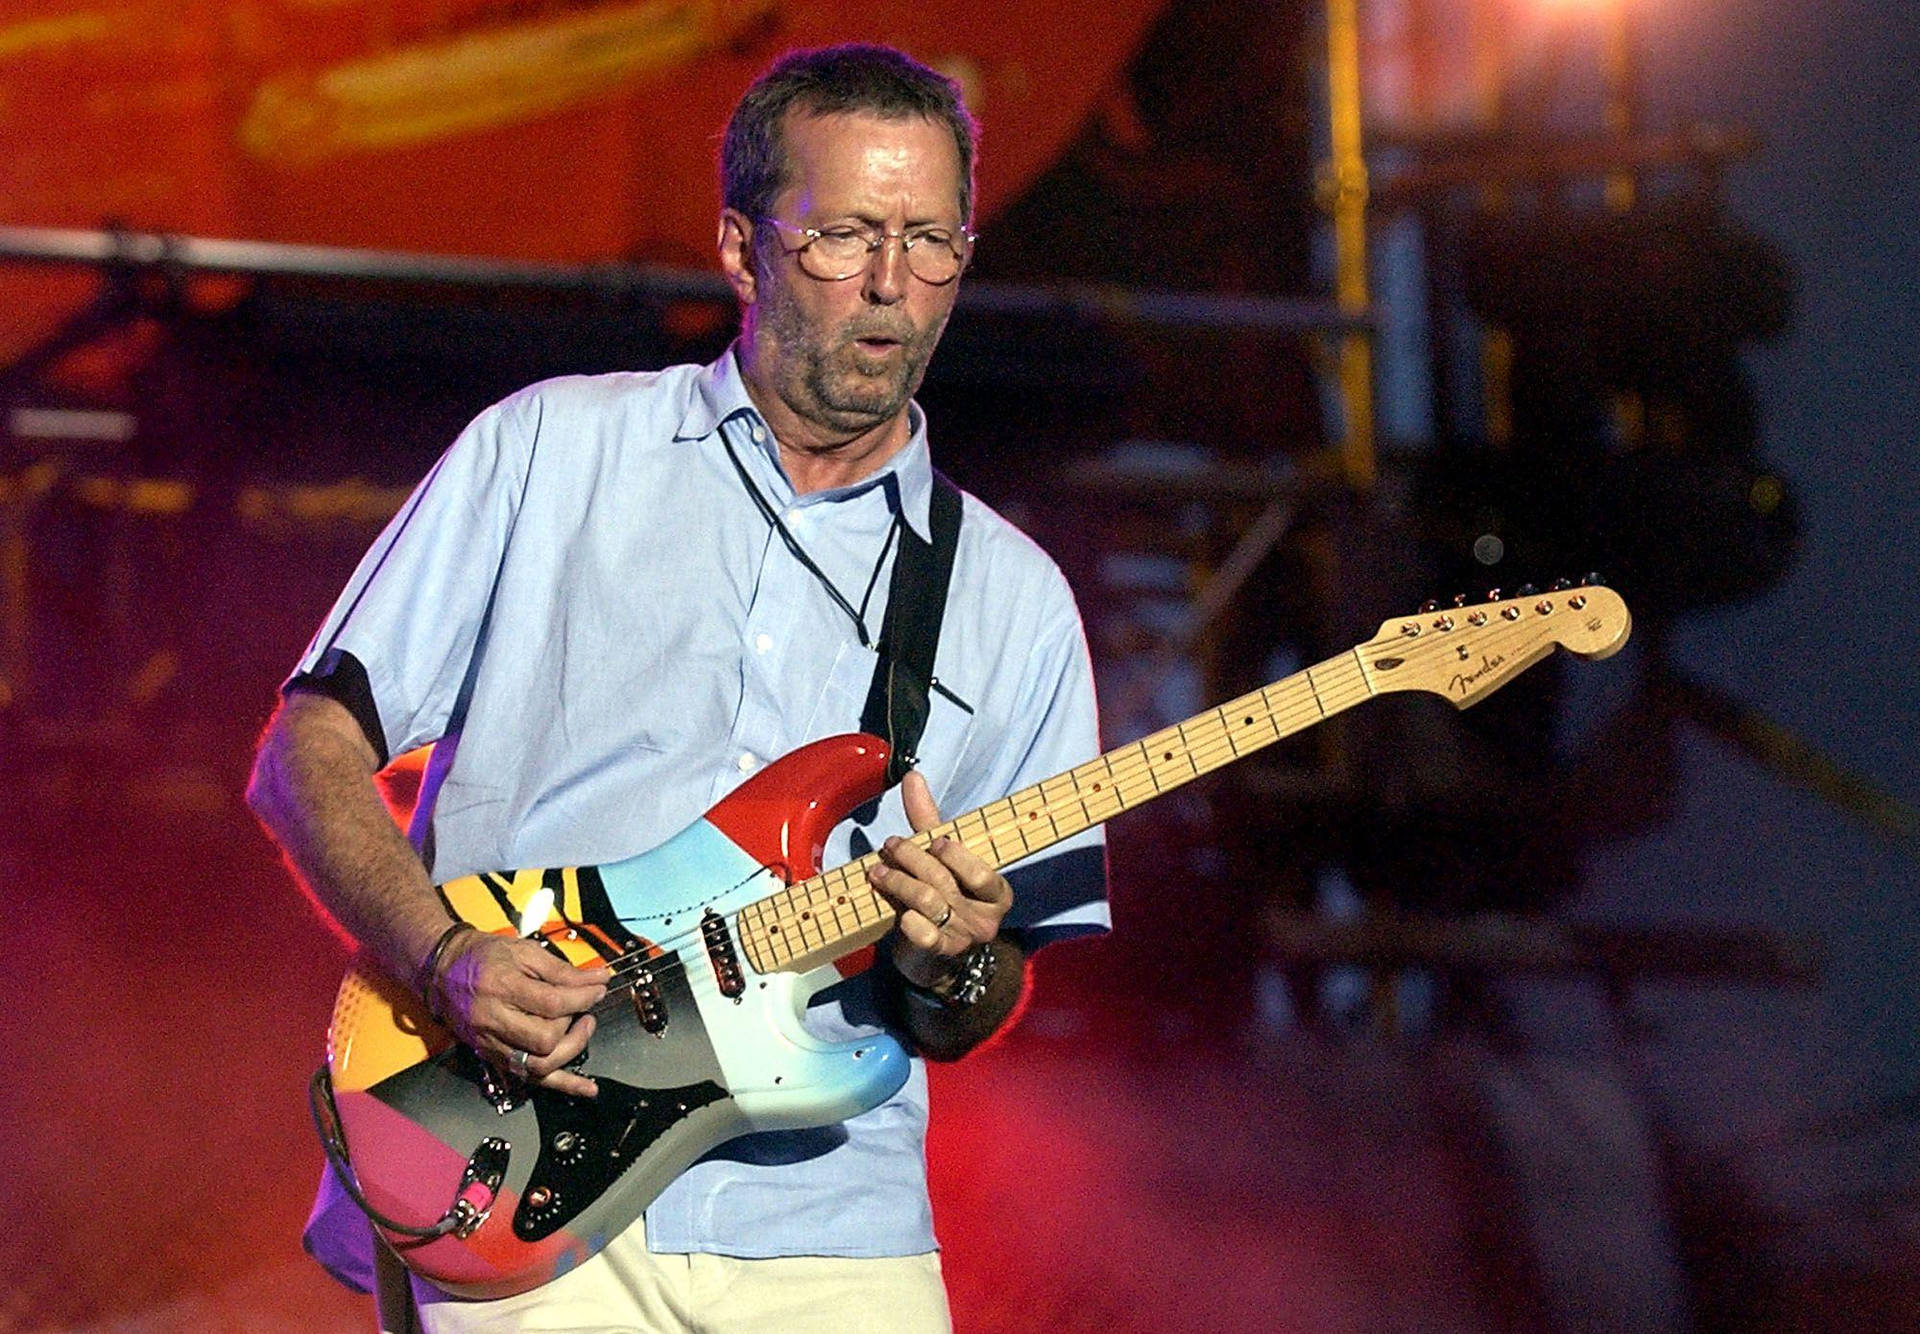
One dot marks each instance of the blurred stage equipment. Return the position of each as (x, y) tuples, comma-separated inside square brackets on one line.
[(1588, 303)]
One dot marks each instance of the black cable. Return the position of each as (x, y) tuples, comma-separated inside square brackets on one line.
[(767, 512)]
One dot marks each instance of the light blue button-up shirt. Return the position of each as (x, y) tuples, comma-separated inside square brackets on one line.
[(586, 610)]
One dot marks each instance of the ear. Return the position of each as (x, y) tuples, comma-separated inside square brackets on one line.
[(736, 254)]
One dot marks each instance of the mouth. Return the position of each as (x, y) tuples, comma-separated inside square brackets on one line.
[(877, 344)]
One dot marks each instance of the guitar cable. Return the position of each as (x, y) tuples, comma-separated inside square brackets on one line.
[(333, 1142)]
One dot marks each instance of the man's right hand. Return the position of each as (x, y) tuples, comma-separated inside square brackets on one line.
[(505, 996)]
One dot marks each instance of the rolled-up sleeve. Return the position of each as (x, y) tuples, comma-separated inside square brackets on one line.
[(416, 609)]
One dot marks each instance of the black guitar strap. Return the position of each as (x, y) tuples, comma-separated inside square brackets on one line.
[(899, 698)]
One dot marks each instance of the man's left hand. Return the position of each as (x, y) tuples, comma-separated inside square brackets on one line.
[(949, 899)]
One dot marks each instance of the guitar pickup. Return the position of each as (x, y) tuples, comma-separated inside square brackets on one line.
[(720, 952), (649, 1004)]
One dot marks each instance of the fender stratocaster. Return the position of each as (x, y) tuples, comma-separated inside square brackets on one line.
[(716, 939)]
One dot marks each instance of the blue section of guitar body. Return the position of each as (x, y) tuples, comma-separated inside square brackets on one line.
[(779, 1075)]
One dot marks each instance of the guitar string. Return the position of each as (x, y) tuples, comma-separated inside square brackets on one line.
[(800, 892), (1218, 744)]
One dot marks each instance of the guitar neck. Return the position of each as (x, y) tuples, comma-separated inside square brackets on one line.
[(819, 920)]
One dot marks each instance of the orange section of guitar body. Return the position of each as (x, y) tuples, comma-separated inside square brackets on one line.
[(379, 1028)]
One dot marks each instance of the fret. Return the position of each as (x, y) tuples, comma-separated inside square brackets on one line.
[(842, 905), (1056, 808), (979, 819), (805, 920), (1233, 740)]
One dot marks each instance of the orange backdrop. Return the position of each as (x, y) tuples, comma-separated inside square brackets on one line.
[(548, 129)]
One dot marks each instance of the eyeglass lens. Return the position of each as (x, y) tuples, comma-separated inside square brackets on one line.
[(832, 256)]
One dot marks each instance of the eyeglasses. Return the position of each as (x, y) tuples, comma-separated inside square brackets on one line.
[(934, 254)]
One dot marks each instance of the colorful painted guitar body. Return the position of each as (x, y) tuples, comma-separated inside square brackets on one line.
[(717, 938), (693, 1047)]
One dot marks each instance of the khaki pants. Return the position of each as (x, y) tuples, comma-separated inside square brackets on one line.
[(628, 1289)]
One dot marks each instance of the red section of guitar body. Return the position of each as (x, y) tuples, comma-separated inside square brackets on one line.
[(782, 815)]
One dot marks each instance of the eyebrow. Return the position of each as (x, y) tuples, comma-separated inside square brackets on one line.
[(911, 224)]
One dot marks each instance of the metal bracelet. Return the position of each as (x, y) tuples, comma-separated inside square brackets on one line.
[(429, 970), (970, 980)]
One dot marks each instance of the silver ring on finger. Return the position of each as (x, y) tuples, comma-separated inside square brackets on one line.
[(517, 1062), (945, 917)]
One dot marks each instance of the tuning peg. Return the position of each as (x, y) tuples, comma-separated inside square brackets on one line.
[(1459, 599), (1560, 585), (1525, 591), (1493, 595), (1593, 581), (1429, 606)]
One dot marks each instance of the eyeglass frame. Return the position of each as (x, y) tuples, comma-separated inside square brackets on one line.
[(880, 237)]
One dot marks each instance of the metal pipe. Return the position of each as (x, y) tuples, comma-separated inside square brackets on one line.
[(1085, 302), (1346, 198)]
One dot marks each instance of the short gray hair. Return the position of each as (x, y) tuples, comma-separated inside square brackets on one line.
[(834, 79)]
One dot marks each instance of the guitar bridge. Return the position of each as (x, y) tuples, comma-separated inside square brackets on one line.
[(502, 1095)]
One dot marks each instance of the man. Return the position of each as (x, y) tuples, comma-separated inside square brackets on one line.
[(614, 599)]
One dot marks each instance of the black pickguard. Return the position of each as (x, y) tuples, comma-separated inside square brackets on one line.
[(663, 1100)]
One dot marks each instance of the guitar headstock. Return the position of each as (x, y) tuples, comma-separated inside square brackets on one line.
[(1465, 652)]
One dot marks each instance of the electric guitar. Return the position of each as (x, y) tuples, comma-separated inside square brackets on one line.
[(487, 1186)]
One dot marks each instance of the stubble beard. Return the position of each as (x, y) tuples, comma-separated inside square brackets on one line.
[(826, 379)]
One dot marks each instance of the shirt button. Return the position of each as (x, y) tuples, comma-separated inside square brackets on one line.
[(762, 643), (747, 761), (759, 434)]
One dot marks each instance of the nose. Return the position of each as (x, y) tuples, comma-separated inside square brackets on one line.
[(887, 274)]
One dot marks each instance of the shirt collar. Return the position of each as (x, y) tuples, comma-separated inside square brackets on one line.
[(719, 394)]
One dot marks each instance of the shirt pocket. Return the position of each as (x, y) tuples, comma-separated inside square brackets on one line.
[(946, 750), (836, 709)]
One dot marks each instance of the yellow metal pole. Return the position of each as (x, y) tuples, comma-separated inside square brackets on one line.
[(1621, 117), (1346, 182), (1490, 25)]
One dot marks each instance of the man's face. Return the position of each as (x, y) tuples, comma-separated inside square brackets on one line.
[(847, 355)]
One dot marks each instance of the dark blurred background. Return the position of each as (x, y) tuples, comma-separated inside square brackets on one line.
[(1589, 1008)]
